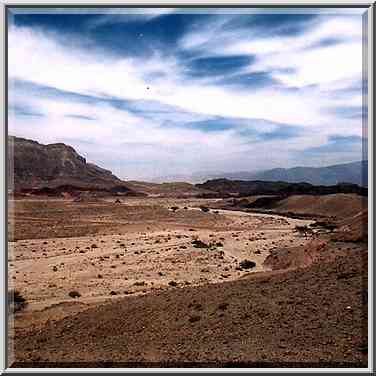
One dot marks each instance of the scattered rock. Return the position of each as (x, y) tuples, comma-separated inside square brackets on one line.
[(197, 243), (247, 264), (142, 283), (223, 306), (194, 319), (74, 294)]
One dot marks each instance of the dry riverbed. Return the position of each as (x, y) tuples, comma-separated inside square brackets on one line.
[(152, 248)]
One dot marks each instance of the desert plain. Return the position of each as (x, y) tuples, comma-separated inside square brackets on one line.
[(187, 274)]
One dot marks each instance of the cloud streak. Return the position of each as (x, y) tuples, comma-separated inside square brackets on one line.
[(163, 93)]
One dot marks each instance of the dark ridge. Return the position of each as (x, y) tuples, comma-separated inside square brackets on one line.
[(242, 188)]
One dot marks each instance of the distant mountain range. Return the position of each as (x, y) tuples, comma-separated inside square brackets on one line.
[(57, 169), (353, 173)]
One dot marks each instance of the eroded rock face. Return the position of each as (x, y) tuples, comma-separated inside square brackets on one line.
[(35, 166)]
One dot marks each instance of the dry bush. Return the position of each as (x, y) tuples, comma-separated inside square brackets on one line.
[(16, 302)]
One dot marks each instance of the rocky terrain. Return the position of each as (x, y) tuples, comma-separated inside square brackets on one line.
[(54, 169), (241, 188), (163, 282), (262, 274)]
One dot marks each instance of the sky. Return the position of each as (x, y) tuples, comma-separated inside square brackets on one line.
[(147, 93)]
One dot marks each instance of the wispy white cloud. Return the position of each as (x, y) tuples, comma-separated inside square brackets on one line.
[(154, 135)]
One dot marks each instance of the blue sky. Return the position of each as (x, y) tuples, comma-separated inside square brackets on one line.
[(156, 92)]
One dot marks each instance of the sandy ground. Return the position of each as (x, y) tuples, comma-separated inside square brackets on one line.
[(144, 255), (149, 297)]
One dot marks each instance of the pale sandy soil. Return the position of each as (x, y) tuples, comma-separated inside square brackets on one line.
[(141, 258), (309, 308)]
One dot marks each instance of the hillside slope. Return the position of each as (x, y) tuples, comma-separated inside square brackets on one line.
[(257, 187), (311, 317), (35, 166)]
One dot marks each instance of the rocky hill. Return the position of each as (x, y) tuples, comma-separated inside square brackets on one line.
[(226, 187), (55, 167)]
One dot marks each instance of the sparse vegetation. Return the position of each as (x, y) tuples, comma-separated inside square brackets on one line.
[(223, 306), (164, 256), (193, 319), (74, 294), (330, 226), (16, 302), (140, 283), (197, 243), (247, 264), (304, 230)]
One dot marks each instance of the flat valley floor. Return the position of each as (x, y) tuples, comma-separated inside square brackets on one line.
[(138, 283)]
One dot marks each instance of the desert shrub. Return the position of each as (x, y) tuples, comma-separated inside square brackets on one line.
[(304, 230), (142, 283), (173, 283), (330, 226), (247, 264), (74, 294), (205, 209), (113, 293), (325, 225), (194, 319), (174, 208), (16, 302), (197, 243), (223, 306)]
